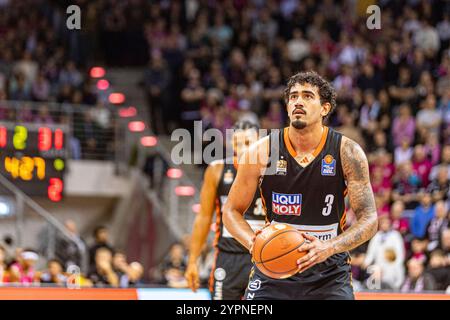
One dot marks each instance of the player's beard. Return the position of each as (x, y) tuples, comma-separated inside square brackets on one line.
[(298, 124)]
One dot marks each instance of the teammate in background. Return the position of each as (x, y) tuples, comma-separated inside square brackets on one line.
[(229, 275), (315, 168)]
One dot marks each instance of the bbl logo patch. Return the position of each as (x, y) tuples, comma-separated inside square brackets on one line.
[(228, 177), (281, 167), (328, 166)]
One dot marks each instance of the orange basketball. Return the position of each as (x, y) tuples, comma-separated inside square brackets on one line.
[(275, 251)]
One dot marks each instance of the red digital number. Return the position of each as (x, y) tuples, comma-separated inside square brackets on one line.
[(3, 137), (59, 139), (55, 189), (44, 139)]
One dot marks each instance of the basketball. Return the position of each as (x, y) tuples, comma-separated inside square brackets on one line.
[(275, 251)]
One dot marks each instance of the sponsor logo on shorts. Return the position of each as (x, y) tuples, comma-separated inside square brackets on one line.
[(220, 274), (254, 285), (328, 166), (250, 296), (287, 204), (218, 290)]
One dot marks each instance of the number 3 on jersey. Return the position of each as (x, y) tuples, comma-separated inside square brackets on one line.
[(328, 205), (258, 210)]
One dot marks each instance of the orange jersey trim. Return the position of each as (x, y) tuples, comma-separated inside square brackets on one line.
[(315, 153)]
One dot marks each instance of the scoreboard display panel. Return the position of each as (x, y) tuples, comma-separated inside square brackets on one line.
[(33, 157)]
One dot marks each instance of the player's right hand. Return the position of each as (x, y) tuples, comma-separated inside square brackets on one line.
[(255, 235), (191, 276)]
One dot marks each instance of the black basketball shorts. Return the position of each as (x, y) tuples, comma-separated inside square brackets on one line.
[(230, 275)]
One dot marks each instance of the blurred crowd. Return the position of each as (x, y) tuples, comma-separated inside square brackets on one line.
[(107, 266), (224, 61), (40, 62)]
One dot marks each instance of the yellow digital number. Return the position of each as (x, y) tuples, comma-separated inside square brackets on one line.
[(20, 137), (40, 167), (26, 168), (12, 166)]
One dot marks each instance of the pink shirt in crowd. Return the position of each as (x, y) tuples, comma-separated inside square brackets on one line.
[(403, 130), (25, 278)]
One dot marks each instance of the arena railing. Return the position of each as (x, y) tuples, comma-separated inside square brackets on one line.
[(54, 226), (92, 130)]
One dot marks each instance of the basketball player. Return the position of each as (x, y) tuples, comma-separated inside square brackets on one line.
[(229, 276), (316, 168)]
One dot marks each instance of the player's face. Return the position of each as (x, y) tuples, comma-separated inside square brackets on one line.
[(304, 107), (242, 139)]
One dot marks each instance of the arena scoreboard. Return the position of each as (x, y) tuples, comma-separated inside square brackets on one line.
[(33, 157)]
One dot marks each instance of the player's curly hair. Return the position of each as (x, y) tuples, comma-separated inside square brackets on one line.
[(326, 90)]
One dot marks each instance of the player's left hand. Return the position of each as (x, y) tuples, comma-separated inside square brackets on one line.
[(318, 251)]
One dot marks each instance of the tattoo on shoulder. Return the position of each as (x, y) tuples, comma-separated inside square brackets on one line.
[(354, 161)]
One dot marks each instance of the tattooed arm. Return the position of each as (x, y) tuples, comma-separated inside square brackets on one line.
[(362, 202)]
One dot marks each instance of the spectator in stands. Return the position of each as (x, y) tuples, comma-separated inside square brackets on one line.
[(402, 89), (23, 270), (66, 251), (349, 129), (41, 88), (44, 116), (437, 225), (406, 186), (445, 162), (399, 222), (422, 216), (175, 266), (433, 148), (439, 269), (359, 273), (135, 274), (369, 113), (445, 242), (121, 268), (403, 152), (9, 248), (421, 165), (274, 117), (2, 264), (19, 87), (54, 274), (386, 251), (428, 119), (157, 80), (70, 75), (192, 96), (418, 249), (102, 273), (427, 38), (440, 187), (417, 281), (101, 240)]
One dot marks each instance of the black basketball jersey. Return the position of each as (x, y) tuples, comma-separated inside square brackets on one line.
[(311, 198), (255, 214)]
